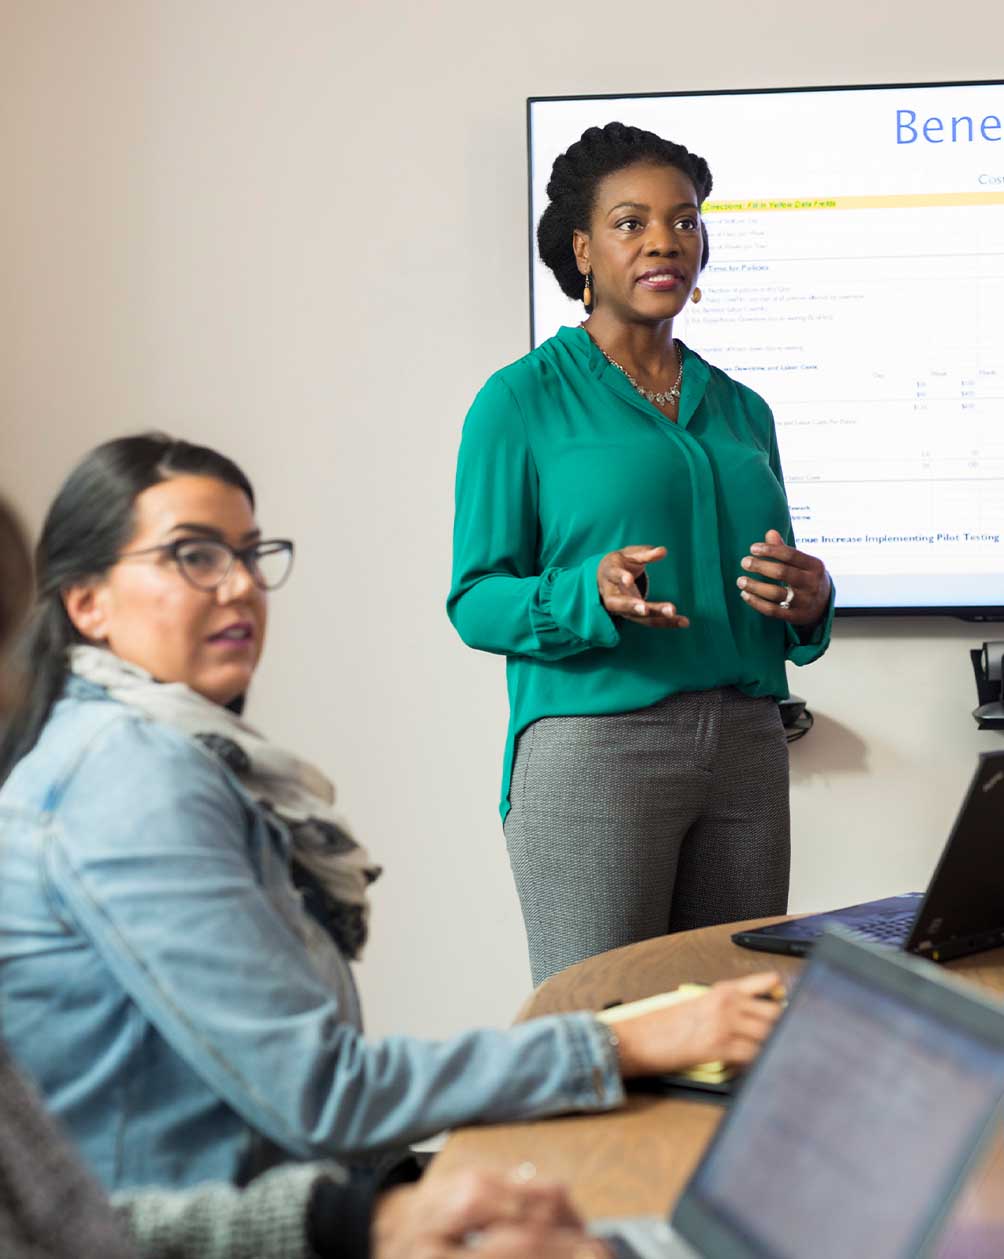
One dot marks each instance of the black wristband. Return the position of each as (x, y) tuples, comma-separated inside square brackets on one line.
[(340, 1213), (339, 1217)]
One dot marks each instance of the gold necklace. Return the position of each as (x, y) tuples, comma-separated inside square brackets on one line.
[(663, 398)]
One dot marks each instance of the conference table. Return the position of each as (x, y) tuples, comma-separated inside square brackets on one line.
[(636, 1160)]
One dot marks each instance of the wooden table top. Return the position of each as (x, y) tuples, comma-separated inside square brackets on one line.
[(636, 1160)]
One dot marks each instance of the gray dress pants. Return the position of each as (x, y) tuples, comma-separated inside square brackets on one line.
[(630, 825)]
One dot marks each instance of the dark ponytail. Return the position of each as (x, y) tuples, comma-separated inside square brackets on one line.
[(16, 585), (88, 525)]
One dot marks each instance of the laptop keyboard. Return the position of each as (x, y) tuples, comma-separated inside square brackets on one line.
[(886, 928), (891, 926)]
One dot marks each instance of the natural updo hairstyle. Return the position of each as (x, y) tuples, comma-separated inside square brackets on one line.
[(89, 523), (576, 175)]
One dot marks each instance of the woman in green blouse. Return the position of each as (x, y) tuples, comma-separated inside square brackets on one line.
[(622, 536)]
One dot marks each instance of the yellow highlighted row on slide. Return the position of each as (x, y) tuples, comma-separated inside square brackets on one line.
[(885, 202)]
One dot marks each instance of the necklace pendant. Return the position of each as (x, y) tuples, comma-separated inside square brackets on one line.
[(662, 398)]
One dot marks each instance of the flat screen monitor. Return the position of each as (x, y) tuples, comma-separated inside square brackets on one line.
[(856, 281)]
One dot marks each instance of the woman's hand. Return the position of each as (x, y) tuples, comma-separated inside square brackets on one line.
[(617, 579), (805, 583), (514, 1217), (726, 1024)]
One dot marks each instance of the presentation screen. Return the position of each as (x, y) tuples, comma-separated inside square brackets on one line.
[(856, 281)]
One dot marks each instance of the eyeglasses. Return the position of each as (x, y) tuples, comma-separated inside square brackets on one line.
[(206, 564)]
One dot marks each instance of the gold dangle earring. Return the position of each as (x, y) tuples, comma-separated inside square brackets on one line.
[(696, 296), (587, 292)]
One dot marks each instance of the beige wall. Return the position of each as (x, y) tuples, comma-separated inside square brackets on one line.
[(297, 230)]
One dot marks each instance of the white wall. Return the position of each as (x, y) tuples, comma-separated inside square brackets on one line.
[(296, 229)]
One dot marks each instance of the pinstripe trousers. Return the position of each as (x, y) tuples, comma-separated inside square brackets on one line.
[(629, 825)]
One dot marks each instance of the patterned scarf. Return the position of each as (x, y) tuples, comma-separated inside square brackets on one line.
[(331, 870)]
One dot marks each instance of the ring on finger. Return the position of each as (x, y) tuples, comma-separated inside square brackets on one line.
[(788, 599), (523, 1172)]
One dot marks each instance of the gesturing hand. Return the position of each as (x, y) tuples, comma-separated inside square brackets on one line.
[(804, 592), (617, 579)]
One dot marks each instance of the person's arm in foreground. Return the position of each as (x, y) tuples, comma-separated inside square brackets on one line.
[(271, 1039), (513, 1218), (316, 1211)]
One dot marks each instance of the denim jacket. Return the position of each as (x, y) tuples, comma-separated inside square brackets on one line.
[(156, 984)]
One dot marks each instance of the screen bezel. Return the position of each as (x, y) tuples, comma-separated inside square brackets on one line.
[(982, 612)]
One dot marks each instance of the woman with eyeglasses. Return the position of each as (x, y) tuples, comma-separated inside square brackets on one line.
[(179, 904), (50, 1208)]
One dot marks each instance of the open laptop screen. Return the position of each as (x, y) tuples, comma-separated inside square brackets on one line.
[(853, 1129)]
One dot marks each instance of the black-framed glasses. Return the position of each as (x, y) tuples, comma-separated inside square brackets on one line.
[(206, 563)]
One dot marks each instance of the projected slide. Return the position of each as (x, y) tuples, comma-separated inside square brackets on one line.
[(857, 282)]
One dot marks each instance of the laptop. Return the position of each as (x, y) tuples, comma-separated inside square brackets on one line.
[(855, 1128), (962, 910)]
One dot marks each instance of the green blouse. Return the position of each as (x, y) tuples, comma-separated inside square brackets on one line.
[(561, 462)]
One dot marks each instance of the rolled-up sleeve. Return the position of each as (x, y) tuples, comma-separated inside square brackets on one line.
[(806, 643)]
